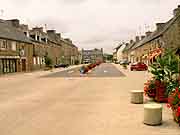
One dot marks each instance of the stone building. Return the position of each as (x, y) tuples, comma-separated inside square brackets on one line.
[(91, 56), (166, 35), (70, 51), (22, 49), (15, 48)]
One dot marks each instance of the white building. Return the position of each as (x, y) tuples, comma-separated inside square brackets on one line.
[(118, 51)]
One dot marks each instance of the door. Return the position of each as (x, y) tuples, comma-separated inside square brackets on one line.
[(23, 65)]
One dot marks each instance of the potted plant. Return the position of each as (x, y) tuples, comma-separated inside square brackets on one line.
[(150, 89), (165, 70), (174, 104)]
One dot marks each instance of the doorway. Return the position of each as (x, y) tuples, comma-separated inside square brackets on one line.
[(23, 65)]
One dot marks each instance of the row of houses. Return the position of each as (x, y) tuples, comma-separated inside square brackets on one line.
[(147, 48), (23, 49), (92, 55)]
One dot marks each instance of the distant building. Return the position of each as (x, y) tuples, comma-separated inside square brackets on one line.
[(24, 50), (91, 56), (118, 55)]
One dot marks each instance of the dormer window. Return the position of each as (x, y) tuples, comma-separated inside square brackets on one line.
[(38, 38), (33, 36), (26, 34)]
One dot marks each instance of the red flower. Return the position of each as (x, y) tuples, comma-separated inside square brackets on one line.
[(179, 95), (178, 109), (177, 90), (168, 105), (177, 114)]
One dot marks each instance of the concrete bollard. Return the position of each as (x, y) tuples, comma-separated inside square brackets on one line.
[(153, 114), (137, 96)]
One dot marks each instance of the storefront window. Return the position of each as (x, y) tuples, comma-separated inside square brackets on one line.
[(8, 65), (1, 66)]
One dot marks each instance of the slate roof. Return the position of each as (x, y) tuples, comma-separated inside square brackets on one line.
[(9, 32), (129, 46), (119, 46), (156, 33)]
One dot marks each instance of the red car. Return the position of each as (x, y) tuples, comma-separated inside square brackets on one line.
[(140, 66)]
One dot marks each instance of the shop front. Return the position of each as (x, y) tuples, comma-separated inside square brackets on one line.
[(8, 64)]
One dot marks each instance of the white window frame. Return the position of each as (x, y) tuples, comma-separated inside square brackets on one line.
[(34, 60)]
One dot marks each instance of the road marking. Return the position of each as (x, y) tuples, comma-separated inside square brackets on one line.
[(70, 72)]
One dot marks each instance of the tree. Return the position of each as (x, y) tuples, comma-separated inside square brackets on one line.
[(48, 61)]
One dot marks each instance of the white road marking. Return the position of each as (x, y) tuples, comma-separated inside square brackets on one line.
[(70, 71)]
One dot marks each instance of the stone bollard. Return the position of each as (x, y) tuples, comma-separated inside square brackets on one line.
[(153, 114), (137, 96)]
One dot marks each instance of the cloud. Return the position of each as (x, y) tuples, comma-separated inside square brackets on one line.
[(72, 1), (92, 23)]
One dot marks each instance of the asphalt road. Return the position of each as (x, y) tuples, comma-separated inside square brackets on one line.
[(104, 70)]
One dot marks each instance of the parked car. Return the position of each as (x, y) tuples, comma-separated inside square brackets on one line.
[(61, 65), (124, 62), (140, 66)]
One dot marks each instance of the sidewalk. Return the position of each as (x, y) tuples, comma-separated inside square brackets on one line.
[(137, 79), (37, 73)]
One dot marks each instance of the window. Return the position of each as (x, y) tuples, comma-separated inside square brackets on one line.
[(34, 60), (3, 44), (38, 60), (13, 46)]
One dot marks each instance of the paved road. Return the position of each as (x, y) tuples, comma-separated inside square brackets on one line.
[(34, 105), (104, 70)]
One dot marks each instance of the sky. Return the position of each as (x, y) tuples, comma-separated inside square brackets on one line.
[(91, 23)]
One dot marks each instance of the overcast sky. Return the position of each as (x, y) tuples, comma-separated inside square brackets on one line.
[(92, 23)]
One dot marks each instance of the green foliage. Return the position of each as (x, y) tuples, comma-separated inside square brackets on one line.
[(166, 69), (48, 61)]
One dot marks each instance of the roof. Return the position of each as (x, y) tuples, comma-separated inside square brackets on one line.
[(9, 32), (129, 46), (156, 33), (119, 46)]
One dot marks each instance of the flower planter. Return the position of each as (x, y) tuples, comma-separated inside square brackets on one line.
[(174, 116)]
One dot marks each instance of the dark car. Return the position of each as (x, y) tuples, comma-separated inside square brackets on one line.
[(124, 62), (61, 65), (140, 66)]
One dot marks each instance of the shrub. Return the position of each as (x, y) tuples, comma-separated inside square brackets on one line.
[(48, 61)]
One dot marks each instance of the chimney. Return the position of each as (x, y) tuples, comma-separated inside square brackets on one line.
[(58, 34), (39, 29), (51, 31), (176, 11), (14, 22), (148, 33), (142, 37), (131, 41), (159, 26), (137, 38), (101, 49)]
